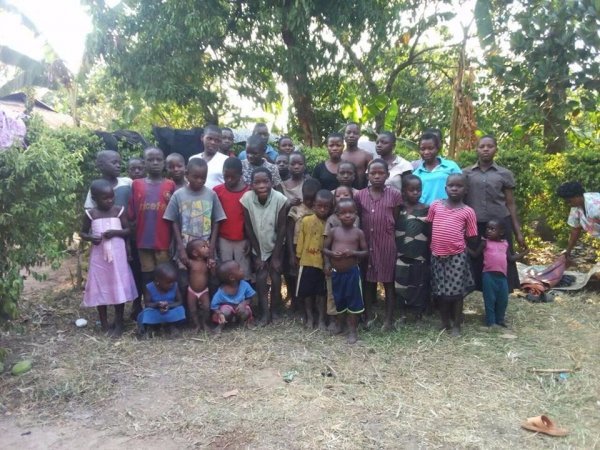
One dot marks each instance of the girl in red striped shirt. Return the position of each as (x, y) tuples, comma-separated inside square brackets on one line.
[(454, 224)]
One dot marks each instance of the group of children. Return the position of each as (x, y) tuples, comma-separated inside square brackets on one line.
[(219, 255)]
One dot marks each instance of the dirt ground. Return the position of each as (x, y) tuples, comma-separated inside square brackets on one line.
[(414, 388)]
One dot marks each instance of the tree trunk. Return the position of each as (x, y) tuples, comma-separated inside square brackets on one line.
[(555, 138)]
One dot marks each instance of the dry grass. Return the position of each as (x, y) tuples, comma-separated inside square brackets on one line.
[(410, 389)]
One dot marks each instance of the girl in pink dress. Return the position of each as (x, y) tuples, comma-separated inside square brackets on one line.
[(110, 281)]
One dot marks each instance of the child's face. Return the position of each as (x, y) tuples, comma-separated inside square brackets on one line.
[(164, 282), (335, 147), (286, 146), (486, 149), (236, 273), (283, 164), (255, 155), (347, 214), (322, 208), (212, 142), (109, 164), (196, 177), (297, 166), (342, 192), (351, 135), (201, 250), (411, 192), (154, 161), (377, 174), (384, 145), (261, 185), (263, 132), (493, 231), (455, 188), (226, 141), (345, 174), (428, 150), (105, 199), (232, 178), (136, 169), (175, 169)]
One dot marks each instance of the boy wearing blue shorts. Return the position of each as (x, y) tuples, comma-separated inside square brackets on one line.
[(343, 249)]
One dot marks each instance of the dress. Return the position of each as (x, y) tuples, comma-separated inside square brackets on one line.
[(110, 281), (152, 316), (327, 179), (378, 224)]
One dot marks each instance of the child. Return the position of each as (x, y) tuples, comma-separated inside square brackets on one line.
[(283, 166), (413, 233), (110, 281), (379, 206), (346, 175), (232, 244), (162, 300), (108, 163), (149, 199), (452, 223), (255, 151), (356, 155), (398, 166), (227, 139), (233, 299), (343, 249), (135, 168), (285, 145), (296, 213), (292, 187), (326, 172), (261, 131), (311, 279), (264, 221), (198, 252), (496, 254), (176, 169)]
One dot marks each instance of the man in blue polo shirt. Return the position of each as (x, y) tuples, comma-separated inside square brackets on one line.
[(261, 129)]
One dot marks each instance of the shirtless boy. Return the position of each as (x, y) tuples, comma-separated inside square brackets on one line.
[(359, 157), (342, 250), (198, 251)]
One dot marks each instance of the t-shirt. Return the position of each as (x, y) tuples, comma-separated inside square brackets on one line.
[(244, 292), (247, 170), (495, 256), (214, 174), (589, 219), (194, 212), (122, 192), (449, 228), (264, 219), (310, 241), (270, 152), (296, 213), (396, 169), (327, 179), (434, 181), (147, 206), (232, 227)]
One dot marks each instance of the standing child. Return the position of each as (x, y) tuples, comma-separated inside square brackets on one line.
[(264, 221), (162, 300), (326, 172), (355, 154), (232, 243), (413, 234), (135, 168), (346, 175), (311, 279), (283, 166), (234, 297), (343, 249), (292, 187), (379, 206), (110, 281), (198, 252), (227, 139), (149, 199), (496, 254), (285, 145), (108, 163), (453, 222), (398, 166), (176, 169), (255, 151)]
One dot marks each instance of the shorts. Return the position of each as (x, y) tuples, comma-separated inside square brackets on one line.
[(150, 258), (234, 250), (331, 309), (347, 291), (311, 282)]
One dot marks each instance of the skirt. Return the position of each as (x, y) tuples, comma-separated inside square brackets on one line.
[(451, 276)]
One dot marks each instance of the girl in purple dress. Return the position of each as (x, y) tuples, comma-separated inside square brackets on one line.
[(110, 281), (379, 206)]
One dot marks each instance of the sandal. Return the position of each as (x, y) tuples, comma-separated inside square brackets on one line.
[(543, 424)]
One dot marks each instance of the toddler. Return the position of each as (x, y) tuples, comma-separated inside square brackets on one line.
[(232, 301)]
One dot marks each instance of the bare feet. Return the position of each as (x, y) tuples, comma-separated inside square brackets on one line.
[(322, 325), (387, 327), (455, 331), (116, 331), (335, 328), (352, 337)]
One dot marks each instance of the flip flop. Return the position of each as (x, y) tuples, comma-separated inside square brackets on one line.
[(543, 424)]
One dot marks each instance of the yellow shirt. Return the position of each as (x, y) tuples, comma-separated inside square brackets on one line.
[(310, 241)]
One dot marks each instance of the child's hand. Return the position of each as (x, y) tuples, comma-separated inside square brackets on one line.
[(337, 254), (246, 248), (211, 263), (96, 240), (109, 234), (327, 270), (258, 264), (221, 319), (183, 257), (348, 253), (276, 264), (295, 201)]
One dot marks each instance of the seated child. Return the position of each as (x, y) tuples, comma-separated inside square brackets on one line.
[(198, 252), (162, 300), (175, 165), (342, 250), (232, 300)]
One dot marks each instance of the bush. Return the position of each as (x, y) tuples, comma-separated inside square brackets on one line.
[(314, 156)]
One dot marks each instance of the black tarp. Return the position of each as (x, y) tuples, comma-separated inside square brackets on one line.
[(123, 138), (185, 142)]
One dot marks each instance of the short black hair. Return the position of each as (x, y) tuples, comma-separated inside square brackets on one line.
[(342, 202), (310, 187), (381, 161), (196, 162), (281, 138), (233, 164), (389, 134), (261, 170), (282, 155), (211, 127), (166, 270), (324, 194), (489, 136), (189, 248), (335, 136), (570, 189), (457, 175), (297, 153), (224, 268), (135, 158), (499, 223), (256, 141), (260, 125), (435, 131), (407, 178), (147, 149), (172, 156), (351, 123), (345, 162), (100, 185), (428, 136), (226, 129), (105, 153)]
